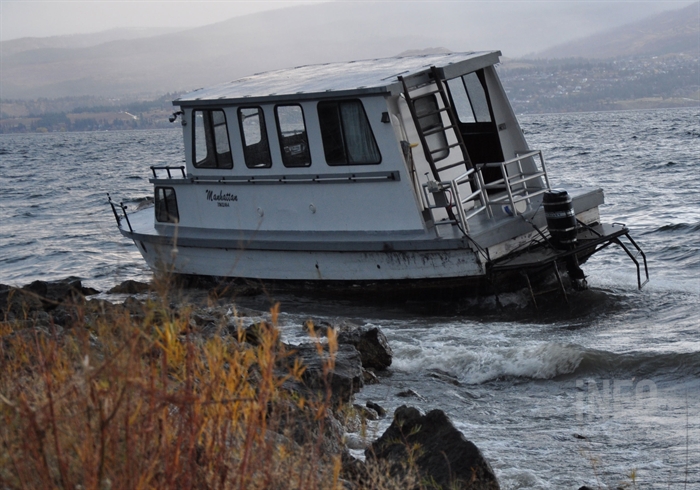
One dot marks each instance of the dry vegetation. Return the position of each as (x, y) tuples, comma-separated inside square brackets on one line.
[(119, 401)]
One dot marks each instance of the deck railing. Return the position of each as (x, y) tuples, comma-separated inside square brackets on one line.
[(168, 169), (119, 216), (470, 196)]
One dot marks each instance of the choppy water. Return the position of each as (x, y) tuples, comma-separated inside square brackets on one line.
[(569, 395)]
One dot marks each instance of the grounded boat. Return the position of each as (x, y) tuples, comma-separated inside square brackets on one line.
[(397, 175)]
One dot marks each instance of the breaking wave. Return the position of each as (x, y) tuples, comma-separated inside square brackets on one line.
[(544, 361)]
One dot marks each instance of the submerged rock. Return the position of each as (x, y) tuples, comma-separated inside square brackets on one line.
[(409, 394), (440, 452)]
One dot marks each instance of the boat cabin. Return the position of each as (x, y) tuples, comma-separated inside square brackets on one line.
[(384, 132)]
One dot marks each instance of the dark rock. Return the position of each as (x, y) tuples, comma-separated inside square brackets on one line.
[(134, 307), (440, 452), (53, 293), (130, 287), (409, 394), (18, 304), (377, 408), (372, 345), (444, 376), (255, 333), (366, 412), (305, 427), (340, 383), (369, 377), (320, 327), (87, 291), (354, 470), (103, 309), (65, 315), (201, 319)]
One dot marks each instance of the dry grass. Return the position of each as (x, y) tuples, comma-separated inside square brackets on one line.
[(123, 403)]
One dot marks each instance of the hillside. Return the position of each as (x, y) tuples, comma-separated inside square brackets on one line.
[(76, 41), (334, 31), (673, 32)]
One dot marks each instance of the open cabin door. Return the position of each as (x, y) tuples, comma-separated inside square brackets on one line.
[(471, 104)]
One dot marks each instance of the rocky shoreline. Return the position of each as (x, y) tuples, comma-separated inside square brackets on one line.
[(415, 448), (416, 451)]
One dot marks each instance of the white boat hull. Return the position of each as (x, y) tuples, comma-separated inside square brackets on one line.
[(312, 266)]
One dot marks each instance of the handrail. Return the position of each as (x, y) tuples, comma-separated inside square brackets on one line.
[(124, 216), (514, 182), (168, 168)]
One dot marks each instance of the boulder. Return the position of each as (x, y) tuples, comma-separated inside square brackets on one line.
[(134, 307), (18, 304), (440, 452), (254, 334), (366, 412), (409, 393), (321, 327), (53, 293), (130, 287), (376, 407), (341, 383), (306, 427), (372, 345)]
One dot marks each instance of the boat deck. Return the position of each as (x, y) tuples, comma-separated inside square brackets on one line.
[(588, 239), (485, 232)]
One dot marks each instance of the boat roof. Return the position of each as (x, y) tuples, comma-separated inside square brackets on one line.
[(336, 79)]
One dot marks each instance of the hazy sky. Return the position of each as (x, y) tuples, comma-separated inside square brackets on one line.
[(43, 18)]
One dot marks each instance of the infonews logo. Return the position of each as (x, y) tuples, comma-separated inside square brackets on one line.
[(617, 398)]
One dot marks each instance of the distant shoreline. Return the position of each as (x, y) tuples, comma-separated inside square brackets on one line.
[(627, 106)]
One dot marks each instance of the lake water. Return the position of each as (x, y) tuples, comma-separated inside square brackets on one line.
[(557, 398)]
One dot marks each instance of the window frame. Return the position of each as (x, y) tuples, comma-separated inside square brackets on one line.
[(280, 137), (210, 138), (264, 138), (476, 119), (342, 132), (170, 217)]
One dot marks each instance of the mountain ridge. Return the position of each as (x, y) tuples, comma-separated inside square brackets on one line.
[(293, 36), (675, 31)]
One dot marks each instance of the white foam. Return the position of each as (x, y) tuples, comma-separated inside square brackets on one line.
[(537, 361)]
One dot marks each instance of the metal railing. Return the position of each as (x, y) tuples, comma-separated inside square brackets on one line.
[(515, 180), (516, 184), (168, 168), (123, 216)]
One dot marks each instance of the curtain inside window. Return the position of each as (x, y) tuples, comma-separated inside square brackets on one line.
[(359, 139)]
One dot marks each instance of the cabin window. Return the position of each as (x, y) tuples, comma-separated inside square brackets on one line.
[(211, 145), (430, 120), (292, 134), (346, 133), (469, 98), (256, 148), (166, 205)]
